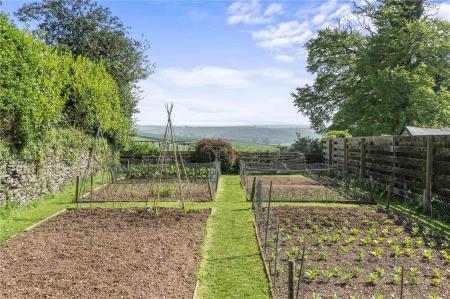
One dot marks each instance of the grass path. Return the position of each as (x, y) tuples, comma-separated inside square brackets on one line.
[(231, 264)]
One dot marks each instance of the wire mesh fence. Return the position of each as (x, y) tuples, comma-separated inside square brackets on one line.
[(146, 181)]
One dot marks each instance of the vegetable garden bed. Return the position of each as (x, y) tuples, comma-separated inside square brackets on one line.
[(353, 252), (298, 188), (101, 253), (146, 190)]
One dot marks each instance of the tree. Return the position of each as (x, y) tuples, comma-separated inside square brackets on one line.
[(209, 149), (306, 144), (376, 79), (90, 30)]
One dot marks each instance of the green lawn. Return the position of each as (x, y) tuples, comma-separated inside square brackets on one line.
[(231, 266)]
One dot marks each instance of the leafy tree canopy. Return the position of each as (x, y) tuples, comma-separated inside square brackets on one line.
[(375, 79), (90, 30), (306, 144)]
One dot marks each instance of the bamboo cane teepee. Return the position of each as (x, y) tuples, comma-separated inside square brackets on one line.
[(168, 151)]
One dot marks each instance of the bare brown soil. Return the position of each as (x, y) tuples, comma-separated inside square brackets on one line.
[(286, 180), (349, 275), (292, 188), (105, 253)]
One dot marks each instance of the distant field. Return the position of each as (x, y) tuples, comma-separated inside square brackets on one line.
[(243, 137), (242, 146)]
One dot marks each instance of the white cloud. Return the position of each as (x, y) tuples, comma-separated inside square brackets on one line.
[(252, 13), (283, 35), (443, 11), (319, 19), (274, 9), (226, 77), (284, 58), (205, 75)]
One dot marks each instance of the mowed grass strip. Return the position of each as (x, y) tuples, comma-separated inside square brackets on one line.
[(231, 263)]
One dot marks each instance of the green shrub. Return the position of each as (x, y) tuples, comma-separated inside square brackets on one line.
[(43, 88), (336, 134), (141, 148), (207, 150)]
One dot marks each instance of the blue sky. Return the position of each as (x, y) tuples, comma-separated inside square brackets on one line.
[(226, 62)]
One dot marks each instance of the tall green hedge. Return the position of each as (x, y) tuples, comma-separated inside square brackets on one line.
[(43, 87)]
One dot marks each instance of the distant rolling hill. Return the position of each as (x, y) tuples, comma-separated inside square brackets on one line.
[(241, 135)]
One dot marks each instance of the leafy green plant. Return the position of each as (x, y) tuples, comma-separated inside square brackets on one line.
[(396, 277), (420, 241), (407, 242), (427, 254), (413, 276), (328, 274), (397, 251), (312, 274), (374, 277), (351, 240), (377, 253), (361, 254), (316, 296), (323, 255), (445, 255), (399, 230)]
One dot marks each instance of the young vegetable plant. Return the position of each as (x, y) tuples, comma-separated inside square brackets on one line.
[(377, 253), (414, 275), (328, 274), (427, 254), (312, 274), (396, 277)]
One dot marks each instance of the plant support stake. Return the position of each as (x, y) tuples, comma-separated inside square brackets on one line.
[(268, 217)]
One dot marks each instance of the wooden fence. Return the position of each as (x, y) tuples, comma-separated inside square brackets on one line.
[(417, 164)]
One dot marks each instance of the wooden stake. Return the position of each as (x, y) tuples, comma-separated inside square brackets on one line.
[(210, 190), (291, 269), (92, 186), (301, 271), (77, 190), (253, 193), (268, 216), (389, 196), (401, 285), (277, 244)]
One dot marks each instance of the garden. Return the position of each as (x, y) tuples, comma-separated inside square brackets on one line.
[(105, 253), (348, 252), (146, 181)]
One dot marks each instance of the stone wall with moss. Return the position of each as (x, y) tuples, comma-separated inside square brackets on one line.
[(22, 181)]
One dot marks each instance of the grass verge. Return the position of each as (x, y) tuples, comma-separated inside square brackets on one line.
[(231, 263)]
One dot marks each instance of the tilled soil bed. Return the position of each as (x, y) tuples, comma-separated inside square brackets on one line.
[(105, 253), (285, 180), (355, 252)]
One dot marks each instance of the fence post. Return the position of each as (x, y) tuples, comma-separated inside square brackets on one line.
[(291, 267), (362, 166), (401, 284), (77, 190), (301, 271), (346, 156), (211, 196), (268, 217), (252, 195), (429, 172), (92, 186), (330, 151), (389, 195)]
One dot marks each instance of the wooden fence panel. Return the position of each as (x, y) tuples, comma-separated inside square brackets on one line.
[(413, 164)]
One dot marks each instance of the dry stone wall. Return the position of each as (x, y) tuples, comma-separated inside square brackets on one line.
[(23, 181)]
